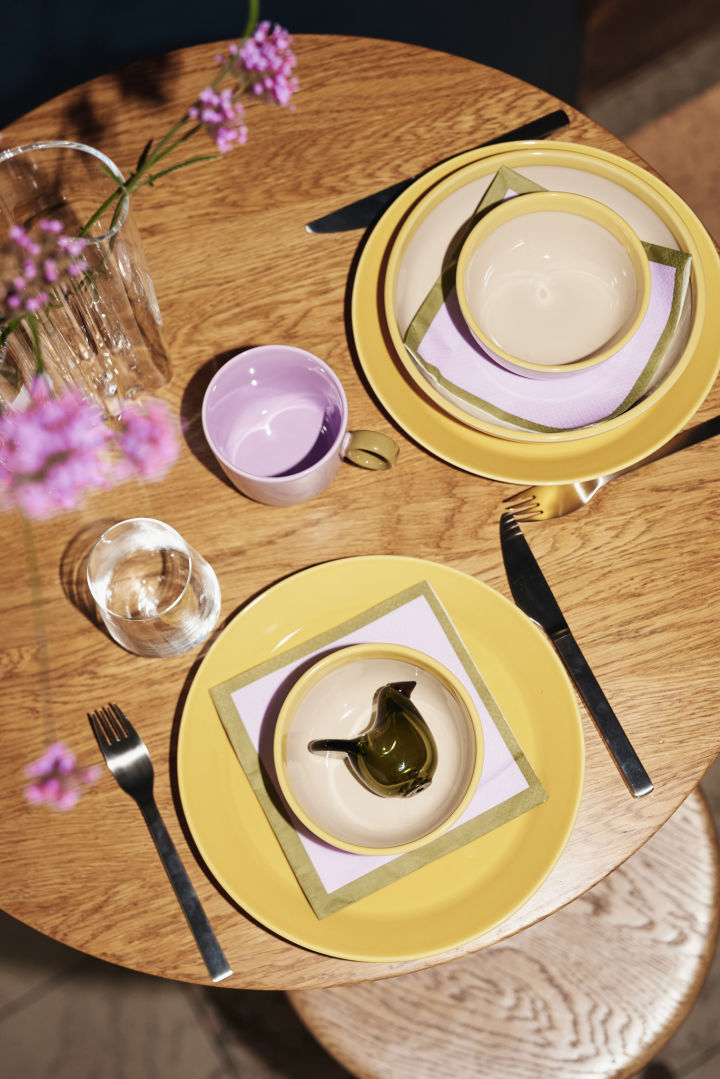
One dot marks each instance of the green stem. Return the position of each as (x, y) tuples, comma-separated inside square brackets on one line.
[(167, 137), (101, 210), (41, 636), (180, 165), (8, 329), (32, 326), (253, 16)]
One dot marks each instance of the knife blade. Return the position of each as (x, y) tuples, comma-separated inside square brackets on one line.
[(366, 210), (534, 597)]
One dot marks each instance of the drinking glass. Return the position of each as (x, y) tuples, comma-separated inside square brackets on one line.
[(156, 595)]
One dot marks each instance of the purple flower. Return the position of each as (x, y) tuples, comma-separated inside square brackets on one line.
[(267, 55), (51, 451), (222, 117), (147, 441), (55, 448), (263, 64), (30, 264), (58, 779)]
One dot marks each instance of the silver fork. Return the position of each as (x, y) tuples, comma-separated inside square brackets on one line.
[(128, 759), (544, 501)]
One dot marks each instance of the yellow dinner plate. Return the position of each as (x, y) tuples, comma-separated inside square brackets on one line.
[(502, 458), (459, 896)]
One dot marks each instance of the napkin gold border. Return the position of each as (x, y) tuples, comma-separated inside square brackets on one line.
[(322, 902), (506, 180)]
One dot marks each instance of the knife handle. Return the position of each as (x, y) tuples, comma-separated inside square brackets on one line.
[(607, 722)]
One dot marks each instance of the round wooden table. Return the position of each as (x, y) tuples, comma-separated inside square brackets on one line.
[(635, 572)]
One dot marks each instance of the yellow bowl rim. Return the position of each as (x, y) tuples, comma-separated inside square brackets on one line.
[(557, 202), (339, 658)]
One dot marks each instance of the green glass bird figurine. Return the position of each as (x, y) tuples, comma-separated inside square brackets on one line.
[(396, 756)]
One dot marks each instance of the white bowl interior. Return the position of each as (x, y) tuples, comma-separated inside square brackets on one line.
[(340, 706), (552, 287), (424, 252)]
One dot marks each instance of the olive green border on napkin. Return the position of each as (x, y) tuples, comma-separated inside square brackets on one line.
[(322, 902), (508, 180)]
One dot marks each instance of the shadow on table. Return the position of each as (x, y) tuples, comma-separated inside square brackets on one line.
[(191, 412), (72, 569)]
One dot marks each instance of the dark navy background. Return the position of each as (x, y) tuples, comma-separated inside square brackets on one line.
[(50, 45)]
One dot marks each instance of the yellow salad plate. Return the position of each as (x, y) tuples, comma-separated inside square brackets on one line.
[(451, 900), (518, 459)]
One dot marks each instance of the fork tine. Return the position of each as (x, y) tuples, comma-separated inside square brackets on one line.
[(109, 725), (529, 518), (528, 511), (516, 496), (106, 727), (98, 729), (521, 501), (121, 724), (525, 505)]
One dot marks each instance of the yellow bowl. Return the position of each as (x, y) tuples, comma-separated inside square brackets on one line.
[(550, 283), (333, 699)]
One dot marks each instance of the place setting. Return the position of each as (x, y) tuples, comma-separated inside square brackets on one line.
[(556, 413), (292, 834), (297, 840)]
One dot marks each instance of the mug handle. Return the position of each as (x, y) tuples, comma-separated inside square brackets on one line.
[(370, 449)]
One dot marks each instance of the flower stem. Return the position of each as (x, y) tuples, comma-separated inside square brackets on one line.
[(101, 209), (32, 326), (253, 16), (41, 637), (180, 165)]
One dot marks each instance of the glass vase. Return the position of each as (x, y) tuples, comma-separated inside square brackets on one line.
[(101, 332)]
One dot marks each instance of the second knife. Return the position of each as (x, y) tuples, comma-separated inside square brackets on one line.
[(365, 211), (534, 597)]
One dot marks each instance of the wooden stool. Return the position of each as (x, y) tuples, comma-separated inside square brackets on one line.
[(593, 991)]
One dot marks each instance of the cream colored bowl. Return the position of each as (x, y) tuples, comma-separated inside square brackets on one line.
[(333, 699), (552, 283)]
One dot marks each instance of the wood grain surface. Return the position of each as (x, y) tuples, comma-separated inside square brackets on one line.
[(636, 572), (592, 993)]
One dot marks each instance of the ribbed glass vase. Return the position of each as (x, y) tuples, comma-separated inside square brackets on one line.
[(101, 332)]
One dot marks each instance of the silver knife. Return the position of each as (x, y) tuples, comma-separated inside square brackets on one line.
[(533, 595), (365, 211)]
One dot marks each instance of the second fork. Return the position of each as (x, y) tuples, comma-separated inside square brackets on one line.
[(542, 502)]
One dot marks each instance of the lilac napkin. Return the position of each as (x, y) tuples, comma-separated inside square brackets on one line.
[(451, 358), (248, 705)]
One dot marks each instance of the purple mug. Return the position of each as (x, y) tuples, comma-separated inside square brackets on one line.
[(276, 418)]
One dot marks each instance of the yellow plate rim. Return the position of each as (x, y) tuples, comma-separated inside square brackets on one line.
[(443, 904)]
